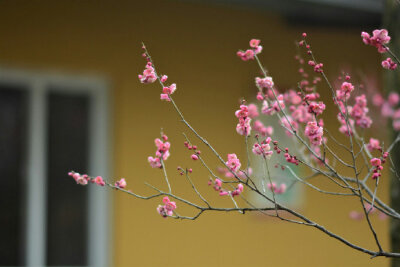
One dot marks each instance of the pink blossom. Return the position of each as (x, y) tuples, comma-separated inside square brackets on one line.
[(254, 43), (238, 190), (246, 55), (288, 123), (263, 148), (79, 179), (259, 127), (276, 106), (314, 133), (167, 91), (266, 83), (243, 127), (99, 181), (301, 115), (194, 157), (377, 100), (379, 39), (316, 108), (277, 189), (389, 64), (121, 183), (162, 152), (393, 99), (167, 209), (233, 162), (386, 110), (355, 215), (375, 162), (149, 75), (344, 129), (223, 193), (164, 78), (373, 144), (346, 88), (253, 111), (154, 162)]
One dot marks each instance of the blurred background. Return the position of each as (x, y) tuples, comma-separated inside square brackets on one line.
[(70, 99)]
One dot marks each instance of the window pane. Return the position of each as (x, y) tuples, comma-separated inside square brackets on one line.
[(67, 202), (13, 123)]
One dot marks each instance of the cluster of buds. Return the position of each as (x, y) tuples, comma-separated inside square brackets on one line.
[(195, 155), (167, 209), (318, 67), (217, 185), (377, 163), (162, 152), (255, 48), (182, 171), (290, 158)]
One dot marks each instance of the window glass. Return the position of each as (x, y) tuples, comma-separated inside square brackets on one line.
[(67, 203)]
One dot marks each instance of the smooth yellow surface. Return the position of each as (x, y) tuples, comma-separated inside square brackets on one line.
[(195, 45)]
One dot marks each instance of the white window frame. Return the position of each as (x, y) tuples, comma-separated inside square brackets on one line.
[(38, 84)]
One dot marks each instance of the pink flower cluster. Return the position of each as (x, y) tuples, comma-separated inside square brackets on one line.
[(263, 148), (195, 155), (290, 158), (162, 152), (345, 90), (255, 49), (277, 189), (167, 91), (359, 112), (264, 83), (389, 64), (314, 133), (167, 209), (243, 127), (275, 106), (317, 67), (84, 179), (149, 75), (259, 127), (388, 107), (233, 163), (316, 108), (379, 39)]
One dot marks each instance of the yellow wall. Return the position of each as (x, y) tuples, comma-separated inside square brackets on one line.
[(195, 45)]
